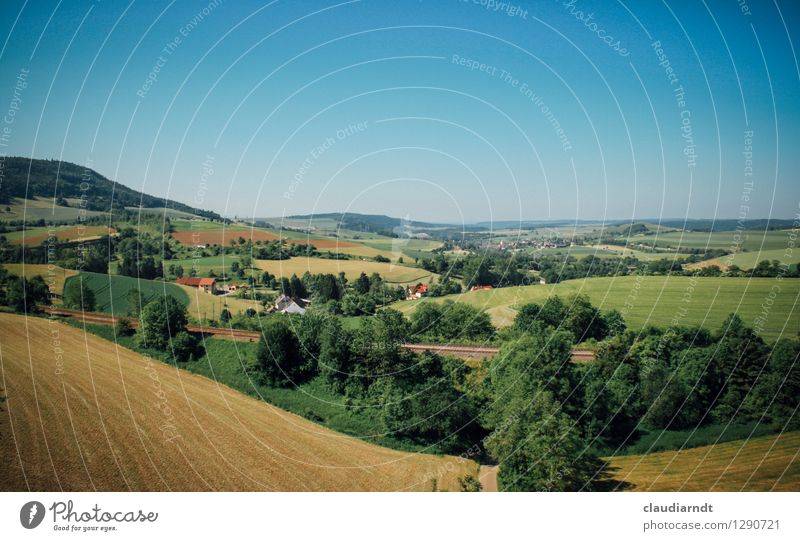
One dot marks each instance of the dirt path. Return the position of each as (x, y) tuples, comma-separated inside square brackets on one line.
[(487, 475)]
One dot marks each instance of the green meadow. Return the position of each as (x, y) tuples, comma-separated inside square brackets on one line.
[(657, 300), (747, 240), (111, 291)]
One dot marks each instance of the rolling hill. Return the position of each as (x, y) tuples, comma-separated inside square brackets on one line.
[(91, 416), (29, 179)]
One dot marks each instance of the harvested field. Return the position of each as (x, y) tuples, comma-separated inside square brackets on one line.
[(54, 276), (37, 235), (768, 463), (390, 272), (223, 237), (101, 417)]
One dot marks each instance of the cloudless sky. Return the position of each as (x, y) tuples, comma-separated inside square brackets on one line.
[(269, 109)]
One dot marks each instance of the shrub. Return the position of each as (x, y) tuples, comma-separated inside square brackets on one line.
[(124, 327)]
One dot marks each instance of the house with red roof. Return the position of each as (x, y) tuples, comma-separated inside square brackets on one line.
[(417, 291), (207, 285)]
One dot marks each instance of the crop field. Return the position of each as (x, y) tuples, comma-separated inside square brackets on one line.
[(54, 276), (221, 236), (750, 240), (109, 419), (748, 260), (767, 463), (368, 245), (656, 300), (621, 251), (41, 208), (224, 235), (220, 264), (37, 235), (397, 274), (111, 291), (161, 211), (578, 252), (406, 248)]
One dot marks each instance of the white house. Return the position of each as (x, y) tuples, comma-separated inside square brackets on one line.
[(287, 305)]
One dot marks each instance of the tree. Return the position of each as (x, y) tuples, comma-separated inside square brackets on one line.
[(538, 361), (327, 288), (478, 272), (334, 356), (528, 314), (425, 318), (584, 320), (124, 327), (740, 357), (225, 315), (465, 322), (185, 346), (777, 392), (361, 285), (662, 393), (78, 296), (161, 319), (298, 290), (280, 361), (23, 295), (552, 311), (134, 301), (539, 449), (615, 322)]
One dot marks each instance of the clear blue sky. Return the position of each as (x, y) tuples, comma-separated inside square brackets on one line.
[(571, 116)]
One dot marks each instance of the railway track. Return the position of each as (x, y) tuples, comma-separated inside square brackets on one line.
[(464, 352)]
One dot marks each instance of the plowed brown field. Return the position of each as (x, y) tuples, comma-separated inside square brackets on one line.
[(83, 414)]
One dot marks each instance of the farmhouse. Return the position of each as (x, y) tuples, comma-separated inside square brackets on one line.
[(288, 305), (207, 285), (230, 288), (479, 288), (416, 292)]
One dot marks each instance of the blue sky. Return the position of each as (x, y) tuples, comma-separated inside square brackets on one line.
[(447, 110)]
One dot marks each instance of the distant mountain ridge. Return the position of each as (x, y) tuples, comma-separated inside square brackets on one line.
[(28, 178)]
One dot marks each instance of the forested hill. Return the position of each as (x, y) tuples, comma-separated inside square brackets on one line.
[(52, 178)]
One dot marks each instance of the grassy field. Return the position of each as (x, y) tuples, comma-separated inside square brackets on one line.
[(741, 240), (369, 245), (111, 295), (656, 300), (54, 276), (352, 268), (621, 251), (767, 463), (41, 208), (110, 291), (36, 235), (748, 260), (406, 248), (220, 264), (116, 420)]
